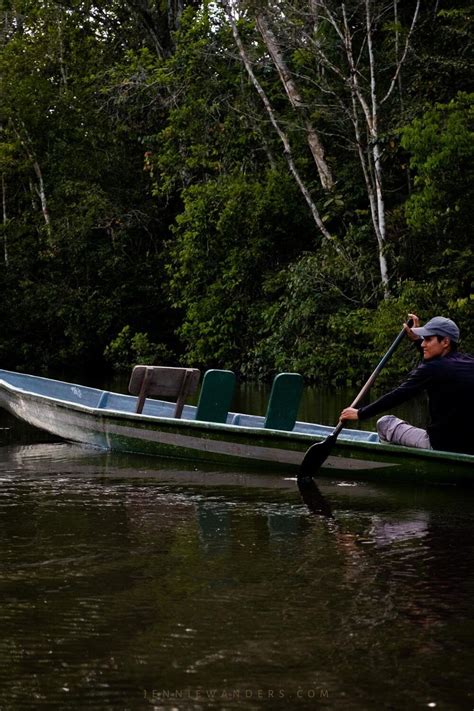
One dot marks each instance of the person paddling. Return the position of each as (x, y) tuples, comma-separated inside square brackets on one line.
[(447, 376)]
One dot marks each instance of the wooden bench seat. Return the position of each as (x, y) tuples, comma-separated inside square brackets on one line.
[(163, 382)]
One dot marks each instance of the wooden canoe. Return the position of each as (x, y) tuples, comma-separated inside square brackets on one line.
[(108, 420)]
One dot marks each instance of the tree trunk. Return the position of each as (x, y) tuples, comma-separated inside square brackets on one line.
[(62, 64), (42, 196), (376, 157), (296, 101), (4, 210), (374, 180), (26, 143), (282, 135)]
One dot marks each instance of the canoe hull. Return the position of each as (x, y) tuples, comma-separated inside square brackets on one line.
[(243, 446), (167, 437)]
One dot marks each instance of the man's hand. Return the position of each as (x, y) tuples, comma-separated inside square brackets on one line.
[(416, 322), (350, 413)]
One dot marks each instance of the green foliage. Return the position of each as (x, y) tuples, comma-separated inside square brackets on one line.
[(311, 328), (67, 289), (230, 234), (443, 52), (439, 211), (304, 320), (129, 349), (172, 209), (441, 144)]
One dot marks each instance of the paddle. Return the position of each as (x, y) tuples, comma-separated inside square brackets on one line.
[(317, 454), (313, 498)]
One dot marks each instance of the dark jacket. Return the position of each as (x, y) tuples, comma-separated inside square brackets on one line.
[(449, 382)]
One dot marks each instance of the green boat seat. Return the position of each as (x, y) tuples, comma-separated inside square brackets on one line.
[(285, 398), (163, 382), (216, 395)]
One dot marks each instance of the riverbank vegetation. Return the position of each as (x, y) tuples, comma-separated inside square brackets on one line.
[(248, 185)]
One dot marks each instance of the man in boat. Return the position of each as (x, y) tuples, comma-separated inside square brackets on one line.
[(447, 377)]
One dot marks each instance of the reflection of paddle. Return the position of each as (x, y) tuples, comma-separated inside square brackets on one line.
[(317, 454)]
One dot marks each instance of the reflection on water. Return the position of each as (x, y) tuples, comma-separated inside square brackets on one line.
[(133, 583)]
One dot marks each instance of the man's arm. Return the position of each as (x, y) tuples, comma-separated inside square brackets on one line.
[(392, 398), (417, 381)]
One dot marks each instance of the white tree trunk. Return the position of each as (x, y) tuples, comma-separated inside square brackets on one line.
[(4, 211), (42, 196), (377, 158), (282, 135), (296, 101), (27, 145), (62, 64)]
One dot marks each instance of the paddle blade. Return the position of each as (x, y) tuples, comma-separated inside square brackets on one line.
[(313, 498), (315, 457)]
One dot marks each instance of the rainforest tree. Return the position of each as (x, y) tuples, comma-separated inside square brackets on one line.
[(247, 184)]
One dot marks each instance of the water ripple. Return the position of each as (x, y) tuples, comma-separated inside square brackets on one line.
[(124, 586)]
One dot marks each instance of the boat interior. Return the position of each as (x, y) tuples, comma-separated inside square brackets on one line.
[(175, 385)]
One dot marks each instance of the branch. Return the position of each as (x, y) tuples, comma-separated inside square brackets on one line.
[(405, 52)]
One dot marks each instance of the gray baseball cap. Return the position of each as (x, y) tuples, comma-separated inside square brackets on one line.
[(438, 326)]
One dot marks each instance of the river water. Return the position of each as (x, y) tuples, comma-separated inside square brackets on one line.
[(136, 583)]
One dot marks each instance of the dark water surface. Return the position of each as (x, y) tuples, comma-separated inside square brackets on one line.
[(134, 583)]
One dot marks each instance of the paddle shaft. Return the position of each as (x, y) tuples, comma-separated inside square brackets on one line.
[(317, 454), (372, 378)]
